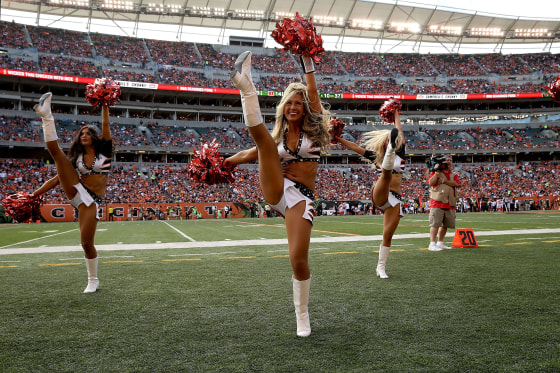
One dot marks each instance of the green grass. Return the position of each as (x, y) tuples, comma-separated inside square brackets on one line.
[(226, 306)]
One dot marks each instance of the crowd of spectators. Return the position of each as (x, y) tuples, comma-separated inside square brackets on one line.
[(503, 65), (17, 129), (120, 48), (409, 65), (363, 64), (174, 53), (279, 63), (467, 138), (329, 65), (172, 136), (61, 42), (128, 135), (13, 35), (215, 59), (279, 67), (164, 184), (455, 65), (17, 63), (67, 66), (485, 139), (177, 76)]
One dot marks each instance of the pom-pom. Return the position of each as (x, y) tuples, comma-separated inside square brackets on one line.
[(207, 166), (336, 129), (299, 36), (22, 206), (104, 92), (387, 110), (554, 89)]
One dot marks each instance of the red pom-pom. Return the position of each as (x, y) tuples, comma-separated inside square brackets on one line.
[(207, 166), (22, 206), (336, 129), (387, 110), (104, 92), (299, 36), (554, 89)]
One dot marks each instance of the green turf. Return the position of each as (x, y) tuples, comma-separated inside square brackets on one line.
[(228, 308)]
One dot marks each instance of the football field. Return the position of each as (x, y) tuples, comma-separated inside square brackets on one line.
[(215, 295)]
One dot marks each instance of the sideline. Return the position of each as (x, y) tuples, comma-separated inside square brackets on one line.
[(257, 242)]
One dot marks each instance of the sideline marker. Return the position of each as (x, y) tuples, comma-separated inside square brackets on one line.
[(464, 238)]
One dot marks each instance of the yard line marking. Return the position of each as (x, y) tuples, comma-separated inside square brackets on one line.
[(123, 261), (58, 264), (552, 241), (341, 252), (38, 238), (8, 266), (342, 233), (198, 254), (270, 242), (180, 260), (178, 231), (238, 257)]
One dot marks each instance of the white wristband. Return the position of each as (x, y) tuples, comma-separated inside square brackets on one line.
[(307, 64)]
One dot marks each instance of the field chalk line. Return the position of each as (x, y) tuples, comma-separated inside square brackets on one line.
[(256, 242)]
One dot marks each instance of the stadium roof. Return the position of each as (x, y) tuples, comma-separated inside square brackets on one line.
[(341, 19)]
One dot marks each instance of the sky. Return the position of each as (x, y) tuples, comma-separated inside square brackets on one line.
[(539, 9)]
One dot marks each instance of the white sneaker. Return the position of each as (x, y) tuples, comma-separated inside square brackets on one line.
[(442, 246), (434, 247)]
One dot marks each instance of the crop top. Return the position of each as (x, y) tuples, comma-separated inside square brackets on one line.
[(306, 151), (101, 162)]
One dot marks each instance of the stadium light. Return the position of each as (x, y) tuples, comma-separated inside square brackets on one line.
[(117, 5), (282, 15), (70, 3), (328, 21), (445, 30), (367, 24), (164, 8), (532, 33), (486, 32), (405, 27), (252, 14), (209, 12)]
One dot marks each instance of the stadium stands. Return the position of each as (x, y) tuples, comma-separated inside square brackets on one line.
[(495, 141)]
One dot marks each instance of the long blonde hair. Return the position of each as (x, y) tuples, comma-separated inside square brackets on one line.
[(377, 141), (315, 125)]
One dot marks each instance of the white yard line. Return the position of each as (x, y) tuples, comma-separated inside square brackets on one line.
[(257, 242), (178, 231)]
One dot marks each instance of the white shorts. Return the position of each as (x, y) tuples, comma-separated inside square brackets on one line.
[(83, 196), (291, 197), (393, 200)]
